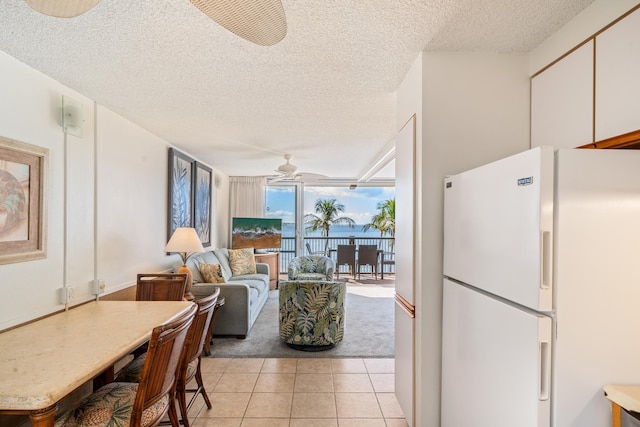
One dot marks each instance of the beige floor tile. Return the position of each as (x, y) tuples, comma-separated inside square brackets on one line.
[(209, 380), (226, 405), (348, 366), (357, 405), (361, 422), (313, 405), (399, 422), (217, 422), (389, 405), (314, 383), (380, 366), (344, 383), (269, 405), (314, 366), (214, 365), (270, 383), (236, 383), (383, 383), (306, 422), (265, 422), (245, 366), (279, 366)]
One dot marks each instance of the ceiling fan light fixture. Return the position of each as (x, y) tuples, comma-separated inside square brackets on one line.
[(62, 8), (262, 22), (288, 168)]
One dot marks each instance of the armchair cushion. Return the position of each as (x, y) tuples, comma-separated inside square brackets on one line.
[(312, 267)]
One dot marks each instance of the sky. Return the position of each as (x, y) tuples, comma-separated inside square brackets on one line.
[(360, 204)]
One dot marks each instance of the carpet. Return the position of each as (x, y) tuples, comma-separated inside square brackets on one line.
[(369, 329)]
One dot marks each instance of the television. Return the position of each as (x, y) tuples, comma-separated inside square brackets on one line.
[(257, 233)]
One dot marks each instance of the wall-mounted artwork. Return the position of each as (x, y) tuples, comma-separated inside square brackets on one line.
[(22, 204), (257, 233), (202, 202), (180, 191)]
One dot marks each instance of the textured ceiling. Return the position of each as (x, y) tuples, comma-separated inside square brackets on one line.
[(325, 94)]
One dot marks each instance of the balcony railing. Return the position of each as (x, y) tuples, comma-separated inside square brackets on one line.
[(317, 245)]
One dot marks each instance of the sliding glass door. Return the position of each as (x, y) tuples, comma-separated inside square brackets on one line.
[(284, 201)]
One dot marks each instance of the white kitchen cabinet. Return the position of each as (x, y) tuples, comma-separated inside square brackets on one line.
[(617, 79), (562, 101)]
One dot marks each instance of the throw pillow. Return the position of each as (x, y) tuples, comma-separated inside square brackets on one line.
[(211, 273), (242, 261)]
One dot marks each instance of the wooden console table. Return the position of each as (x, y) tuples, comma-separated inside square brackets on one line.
[(273, 259), (44, 361)]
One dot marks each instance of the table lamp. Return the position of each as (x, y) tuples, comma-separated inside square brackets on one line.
[(185, 242)]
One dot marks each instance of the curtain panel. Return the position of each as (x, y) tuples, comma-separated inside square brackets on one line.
[(246, 196)]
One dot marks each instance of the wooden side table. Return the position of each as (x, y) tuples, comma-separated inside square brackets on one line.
[(273, 259), (622, 397)]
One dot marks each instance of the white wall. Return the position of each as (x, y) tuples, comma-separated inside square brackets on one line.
[(116, 191), (471, 108)]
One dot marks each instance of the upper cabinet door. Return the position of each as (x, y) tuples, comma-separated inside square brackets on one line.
[(617, 78), (562, 101)]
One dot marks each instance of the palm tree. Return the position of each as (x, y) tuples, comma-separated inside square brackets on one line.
[(385, 220), (327, 214)]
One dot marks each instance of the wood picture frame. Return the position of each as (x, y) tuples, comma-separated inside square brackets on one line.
[(23, 169), (180, 204), (202, 180)]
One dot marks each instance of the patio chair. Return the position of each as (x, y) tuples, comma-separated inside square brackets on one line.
[(368, 255), (346, 256)]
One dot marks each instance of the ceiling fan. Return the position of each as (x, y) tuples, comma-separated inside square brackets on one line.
[(289, 172), (262, 22)]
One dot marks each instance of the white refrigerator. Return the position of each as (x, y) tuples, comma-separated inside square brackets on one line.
[(541, 298)]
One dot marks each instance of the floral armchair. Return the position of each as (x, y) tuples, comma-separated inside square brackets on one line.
[(311, 314), (312, 267)]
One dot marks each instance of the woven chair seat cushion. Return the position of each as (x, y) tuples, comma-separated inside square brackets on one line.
[(112, 405), (132, 370)]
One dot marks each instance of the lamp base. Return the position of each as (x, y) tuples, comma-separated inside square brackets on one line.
[(187, 290)]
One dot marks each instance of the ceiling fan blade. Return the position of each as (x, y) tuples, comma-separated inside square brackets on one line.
[(62, 8), (262, 22)]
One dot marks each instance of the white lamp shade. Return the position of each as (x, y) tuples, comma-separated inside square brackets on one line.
[(184, 239)]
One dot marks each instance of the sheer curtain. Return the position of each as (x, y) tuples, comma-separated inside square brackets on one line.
[(246, 196)]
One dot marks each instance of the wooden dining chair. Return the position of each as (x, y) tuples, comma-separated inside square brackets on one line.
[(368, 255), (160, 286), (191, 360), (346, 256), (145, 403)]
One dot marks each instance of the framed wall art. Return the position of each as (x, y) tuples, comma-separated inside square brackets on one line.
[(22, 201), (202, 202), (180, 191)]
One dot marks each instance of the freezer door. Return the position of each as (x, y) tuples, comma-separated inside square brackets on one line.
[(498, 225), (496, 362)]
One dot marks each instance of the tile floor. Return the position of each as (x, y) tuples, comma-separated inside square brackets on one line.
[(309, 392)]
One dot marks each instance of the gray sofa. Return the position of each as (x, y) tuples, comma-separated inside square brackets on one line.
[(244, 295)]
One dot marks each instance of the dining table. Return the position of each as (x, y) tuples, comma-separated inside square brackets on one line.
[(43, 361)]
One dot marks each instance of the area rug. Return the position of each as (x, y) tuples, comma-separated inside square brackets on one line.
[(369, 330)]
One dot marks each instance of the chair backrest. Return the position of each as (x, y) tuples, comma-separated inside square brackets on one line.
[(164, 353), (346, 254), (160, 286), (309, 251), (198, 330), (367, 255)]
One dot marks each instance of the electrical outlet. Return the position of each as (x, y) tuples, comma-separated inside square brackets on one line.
[(98, 286), (66, 294)]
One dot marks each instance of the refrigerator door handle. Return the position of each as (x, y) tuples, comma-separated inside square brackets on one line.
[(544, 370), (546, 259)]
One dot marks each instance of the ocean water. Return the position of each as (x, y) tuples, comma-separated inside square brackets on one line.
[(334, 231)]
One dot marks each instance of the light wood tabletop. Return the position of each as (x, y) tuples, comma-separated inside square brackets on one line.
[(44, 361)]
